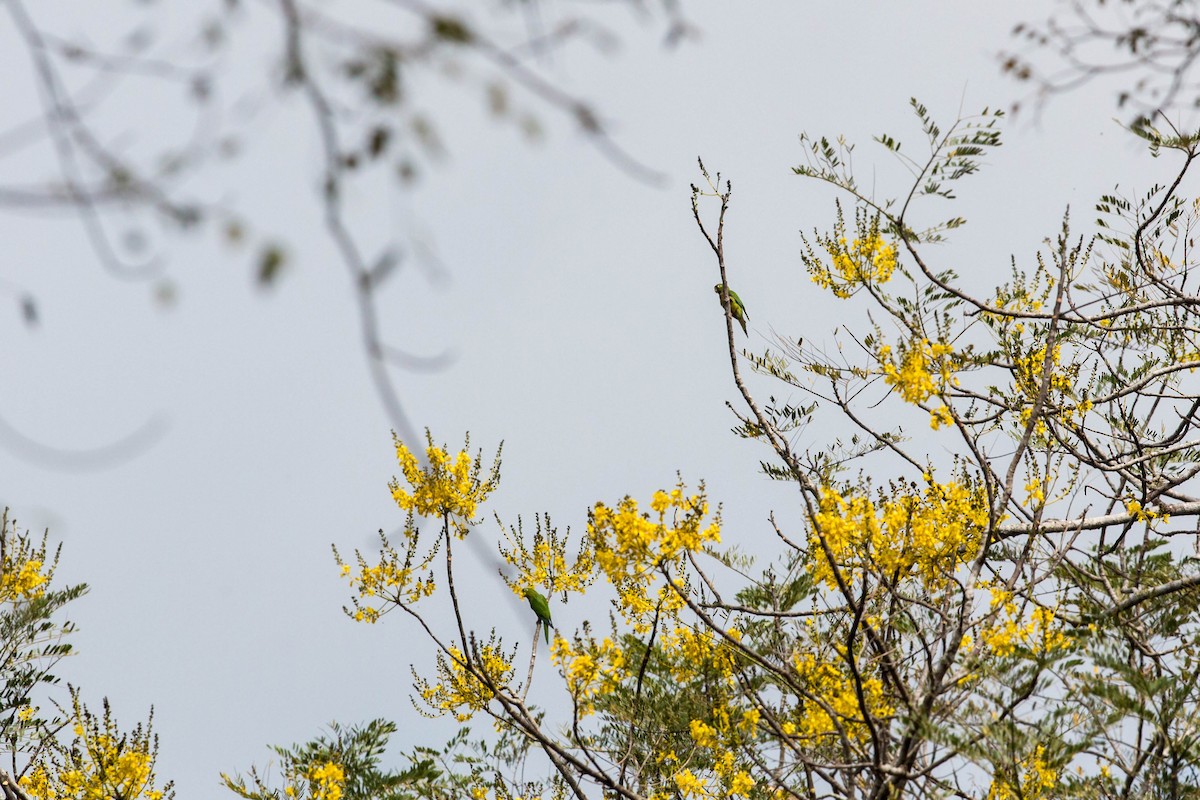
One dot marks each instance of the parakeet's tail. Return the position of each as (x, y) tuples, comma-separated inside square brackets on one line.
[(546, 629), (744, 329)]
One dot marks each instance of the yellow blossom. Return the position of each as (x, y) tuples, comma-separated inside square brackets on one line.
[(327, 781), (741, 784), (840, 709), (940, 417), (450, 487), (25, 582), (923, 368), (1036, 493), (629, 544), (102, 764), (689, 785), (1039, 634), (464, 688), (592, 670), (1030, 780), (864, 260), (924, 533), (1141, 513), (703, 735), (24, 572)]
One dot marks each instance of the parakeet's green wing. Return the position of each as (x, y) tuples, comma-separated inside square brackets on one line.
[(541, 607), (739, 310)]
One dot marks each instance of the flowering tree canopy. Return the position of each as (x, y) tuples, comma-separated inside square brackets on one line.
[(985, 593)]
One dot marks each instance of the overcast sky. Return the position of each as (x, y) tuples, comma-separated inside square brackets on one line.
[(578, 303)]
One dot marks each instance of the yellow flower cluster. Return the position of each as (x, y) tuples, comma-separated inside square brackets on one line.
[(870, 259), (548, 561), (740, 784), (690, 651), (38, 784), (462, 691), (724, 738), (734, 782), (392, 581), (940, 417), (327, 781), (1041, 490), (907, 533), (923, 368), (629, 545), (1028, 371), (451, 488), (730, 726), (834, 709), (24, 572), (1032, 779), (1036, 489), (103, 770), (591, 670), (388, 581), (1027, 375), (703, 658), (543, 562), (1016, 299), (1039, 634), (1143, 514), (691, 786), (323, 781), (21, 579), (703, 735)]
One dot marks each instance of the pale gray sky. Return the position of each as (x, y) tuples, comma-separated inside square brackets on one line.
[(579, 304)]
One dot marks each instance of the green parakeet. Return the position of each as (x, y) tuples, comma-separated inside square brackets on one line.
[(541, 607), (735, 307)]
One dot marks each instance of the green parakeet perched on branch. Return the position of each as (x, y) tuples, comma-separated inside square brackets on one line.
[(541, 607), (735, 307)]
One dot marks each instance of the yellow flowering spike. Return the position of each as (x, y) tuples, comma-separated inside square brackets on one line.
[(395, 579), (866, 259), (451, 487), (1031, 779), (327, 780), (922, 533), (630, 544), (689, 785), (25, 572), (466, 686), (1007, 629), (838, 710), (591, 668), (940, 417), (102, 763), (542, 560), (922, 369)]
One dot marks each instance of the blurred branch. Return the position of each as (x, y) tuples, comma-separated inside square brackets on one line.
[(120, 451), (347, 247), (331, 60), (1153, 46)]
